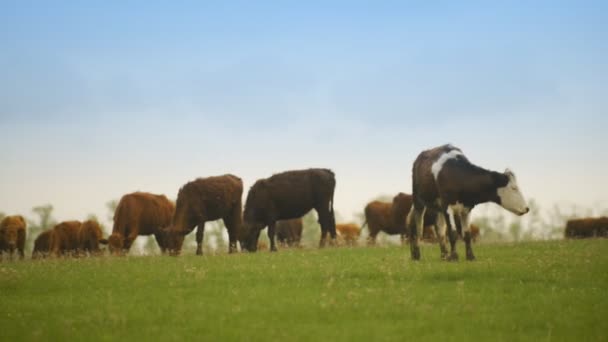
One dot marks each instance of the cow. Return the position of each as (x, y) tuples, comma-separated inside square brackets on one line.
[(289, 195), (586, 228), (389, 217), (12, 236), (140, 213), (90, 237), (349, 233), (64, 239), (289, 232), (203, 200), (445, 182), (42, 245)]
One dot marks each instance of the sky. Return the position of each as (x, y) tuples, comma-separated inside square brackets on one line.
[(103, 98)]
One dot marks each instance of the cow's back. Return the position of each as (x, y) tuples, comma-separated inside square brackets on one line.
[(65, 237), (216, 196), (294, 193), (142, 211)]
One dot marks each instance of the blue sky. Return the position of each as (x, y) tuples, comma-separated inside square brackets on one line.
[(99, 99)]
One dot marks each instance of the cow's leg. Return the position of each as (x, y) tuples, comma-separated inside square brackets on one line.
[(161, 242), (128, 242), (328, 225), (403, 239), (451, 231), (200, 233), (440, 228), (415, 222), (271, 233), (232, 227), (466, 229), (371, 239)]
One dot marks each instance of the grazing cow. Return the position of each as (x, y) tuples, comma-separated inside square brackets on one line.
[(90, 237), (64, 239), (42, 245), (443, 180), (289, 232), (140, 213), (349, 233), (390, 218), (12, 235), (289, 195), (203, 200), (587, 228)]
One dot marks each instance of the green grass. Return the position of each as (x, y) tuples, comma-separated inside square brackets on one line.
[(530, 291)]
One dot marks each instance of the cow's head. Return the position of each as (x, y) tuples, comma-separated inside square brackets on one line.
[(250, 236), (10, 229), (172, 240), (116, 244), (510, 196)]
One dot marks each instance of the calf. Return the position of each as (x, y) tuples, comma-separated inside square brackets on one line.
[(42, 245), (445, 182), (289, 232), (349, 233)]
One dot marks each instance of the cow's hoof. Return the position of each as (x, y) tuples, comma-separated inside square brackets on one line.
[(453, 257), (470, 256), (273, 249), (416, 254), (199, 252)]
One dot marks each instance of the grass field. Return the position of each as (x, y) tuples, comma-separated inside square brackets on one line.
[(530, 291)]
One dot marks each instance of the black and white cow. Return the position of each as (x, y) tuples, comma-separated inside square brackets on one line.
[(446, 182)]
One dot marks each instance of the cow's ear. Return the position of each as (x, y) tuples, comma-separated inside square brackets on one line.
[(103, 241)]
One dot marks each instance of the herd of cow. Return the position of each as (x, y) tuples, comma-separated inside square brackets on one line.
[(446, 187)]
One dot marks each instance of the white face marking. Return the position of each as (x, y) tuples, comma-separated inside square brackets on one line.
[(438, 164), (511, 197)]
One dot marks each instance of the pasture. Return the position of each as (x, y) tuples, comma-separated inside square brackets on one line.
[(534, 291)]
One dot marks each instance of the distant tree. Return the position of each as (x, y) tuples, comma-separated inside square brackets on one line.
[(2, 215), (45, 221), (111, 206)]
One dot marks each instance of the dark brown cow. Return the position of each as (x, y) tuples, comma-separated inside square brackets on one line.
[(289, 232), (286, 196), (12, 235), (348, 233), (587, 228), (390, 218), (42, 245), (444, 179), (90, 237), (64, 239), (203, 200), (140, 213)]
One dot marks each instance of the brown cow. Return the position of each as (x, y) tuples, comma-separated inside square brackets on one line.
[(349, 233), (289, 195), (289, 232), (443, 180), (390, 218), (90, 237), (42, 244), (64, 239), (203, 200), (140, 213), (12, 235), (587, 227)]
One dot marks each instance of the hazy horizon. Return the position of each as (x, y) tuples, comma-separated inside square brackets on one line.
[(104, 99)]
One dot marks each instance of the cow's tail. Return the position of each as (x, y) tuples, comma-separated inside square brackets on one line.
[(363, 225)]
